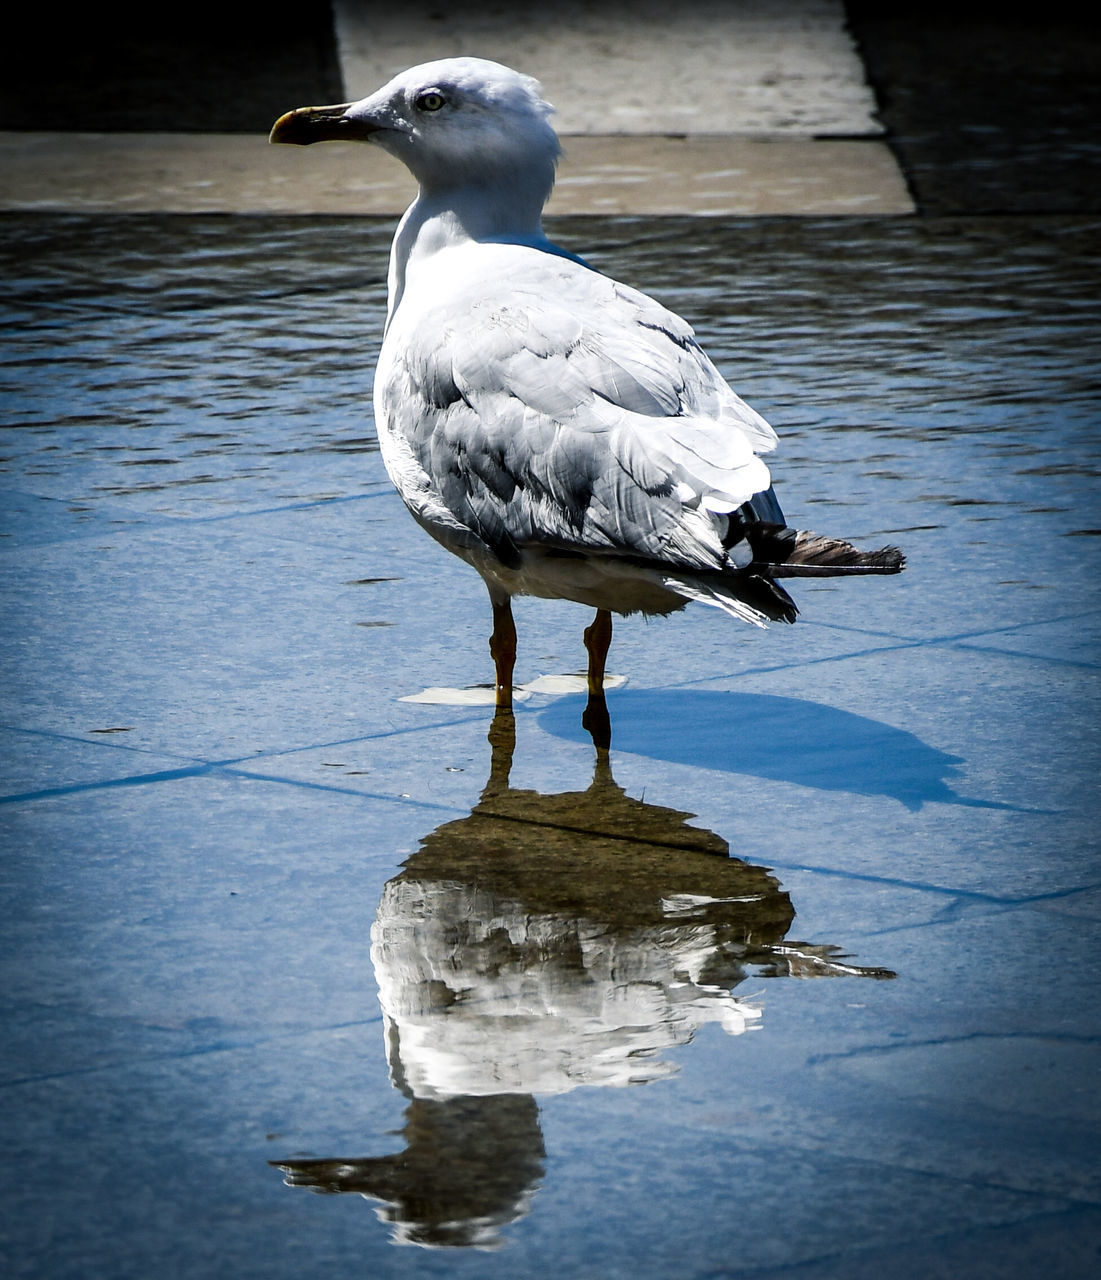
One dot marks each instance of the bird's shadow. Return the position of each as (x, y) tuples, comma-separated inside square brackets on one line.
[(782, 739)]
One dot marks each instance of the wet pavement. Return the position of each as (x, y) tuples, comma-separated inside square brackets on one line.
[(800, 980)]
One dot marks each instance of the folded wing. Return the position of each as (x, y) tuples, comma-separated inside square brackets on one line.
[(593, 423)]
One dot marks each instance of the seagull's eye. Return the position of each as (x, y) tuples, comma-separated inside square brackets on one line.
[(430, 100)]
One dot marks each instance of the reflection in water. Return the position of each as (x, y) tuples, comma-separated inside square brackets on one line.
[(469, 1167), (542, 943)]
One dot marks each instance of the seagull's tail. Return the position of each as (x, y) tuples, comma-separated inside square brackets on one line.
[(754, 595), (746, 595), (779, 552)]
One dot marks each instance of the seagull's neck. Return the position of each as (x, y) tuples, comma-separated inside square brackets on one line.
[(447, 217)]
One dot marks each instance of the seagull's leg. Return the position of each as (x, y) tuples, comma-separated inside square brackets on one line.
[(597, 639), (502, 648)]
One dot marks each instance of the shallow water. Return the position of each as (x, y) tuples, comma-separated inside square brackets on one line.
[(596, 1045), (198, 331)]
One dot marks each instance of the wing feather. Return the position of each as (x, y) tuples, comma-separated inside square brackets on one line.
[(535, 401)]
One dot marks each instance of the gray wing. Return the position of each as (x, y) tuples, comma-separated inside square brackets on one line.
[(566, 410)]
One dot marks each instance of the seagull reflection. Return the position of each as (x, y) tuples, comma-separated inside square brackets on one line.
[(542, 943)]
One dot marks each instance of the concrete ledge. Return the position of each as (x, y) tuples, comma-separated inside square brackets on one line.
[(224, 173), (728, 176), (638, 66)]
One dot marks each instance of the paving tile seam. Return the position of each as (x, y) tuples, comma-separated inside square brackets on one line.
[(201, 1051), (307, 504), (57, 735), (404, 802), (902, 643), (1081, 664), (234, 769), (200, 763), (204, 770), (141, 521), (237, 761), (793, 664), (1057, 1201), (107, 784), (1008, 629), (937, 1042), (209, 770), (1027, 625), (964, 907), (948, 642), (920, 886), (475, 714), (841, 1262), (925, 1245)]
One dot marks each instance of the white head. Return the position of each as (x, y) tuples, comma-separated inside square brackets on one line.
[(455, 123)]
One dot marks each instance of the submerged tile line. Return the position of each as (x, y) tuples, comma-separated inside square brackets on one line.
[(167, 524), (231, 768), (1082, 664), (106, 784), (112, 744), (106, 505), (208, 769), (798, 664), (282, 509), (403, 801), (896, 642), (380, 735), (963, 901), (196, 766), (931, 1170), (1006, 629), (948, 891), (962, 643), (936, 1042), (843, 1261), (199, 1051)]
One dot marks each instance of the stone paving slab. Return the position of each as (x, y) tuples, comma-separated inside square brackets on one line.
[(185, 173), (763, 68), (782, 121)]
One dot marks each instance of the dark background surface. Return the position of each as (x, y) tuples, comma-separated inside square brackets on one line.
[(985, 112)]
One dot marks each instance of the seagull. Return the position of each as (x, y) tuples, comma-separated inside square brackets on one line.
[(561, 432)]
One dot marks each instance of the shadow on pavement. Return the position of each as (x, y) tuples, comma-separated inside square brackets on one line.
[(781, 739)]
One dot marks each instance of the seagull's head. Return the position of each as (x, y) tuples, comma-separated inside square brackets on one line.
[(457, 121)]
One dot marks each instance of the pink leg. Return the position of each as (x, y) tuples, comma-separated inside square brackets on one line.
[(502, 648), (597, 639)]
